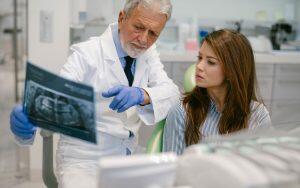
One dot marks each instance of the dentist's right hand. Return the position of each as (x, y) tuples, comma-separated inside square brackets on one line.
[(20, 124)]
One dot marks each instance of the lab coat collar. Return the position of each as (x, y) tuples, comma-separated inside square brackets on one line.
[(109, 48), (116, 38), (110, 55)]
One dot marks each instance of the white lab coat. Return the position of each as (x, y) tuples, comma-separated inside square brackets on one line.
[(96, 63)]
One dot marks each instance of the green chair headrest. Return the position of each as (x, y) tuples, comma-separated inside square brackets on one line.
[(189, 78)]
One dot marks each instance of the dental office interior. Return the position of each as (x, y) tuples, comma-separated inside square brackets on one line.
[(41, 31)]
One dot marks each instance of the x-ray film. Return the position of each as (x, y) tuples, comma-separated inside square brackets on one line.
[(59, 105)]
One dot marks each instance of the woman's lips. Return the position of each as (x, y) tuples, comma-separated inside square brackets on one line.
[(198, 77)]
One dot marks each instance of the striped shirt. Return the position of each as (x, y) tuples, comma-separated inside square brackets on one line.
[(173, 138)]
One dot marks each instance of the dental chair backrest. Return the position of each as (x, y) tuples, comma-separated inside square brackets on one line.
[(189, 78), (154, 144)]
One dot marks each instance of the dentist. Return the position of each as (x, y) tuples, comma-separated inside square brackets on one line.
[(131, 86)]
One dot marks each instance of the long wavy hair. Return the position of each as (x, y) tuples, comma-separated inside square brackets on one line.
[(236, 55)]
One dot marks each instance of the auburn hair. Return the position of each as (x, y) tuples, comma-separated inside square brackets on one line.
[(236, 55)]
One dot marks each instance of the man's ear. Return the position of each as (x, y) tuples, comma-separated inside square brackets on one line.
[(121, 16)]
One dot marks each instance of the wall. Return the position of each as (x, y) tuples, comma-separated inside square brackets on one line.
[(47, 55), (6, 6), (298, 11), (104, 9), (229, 9), (212, 9)]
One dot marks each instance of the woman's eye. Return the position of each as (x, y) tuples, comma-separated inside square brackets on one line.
[(211, 63), (199, 57)]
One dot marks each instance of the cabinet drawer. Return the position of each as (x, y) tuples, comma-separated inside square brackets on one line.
[(285, 112), (287, 87), (288, 69), (264, 69), (265, 87)]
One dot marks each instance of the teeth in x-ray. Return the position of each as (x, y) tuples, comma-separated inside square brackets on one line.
[(57, 111)]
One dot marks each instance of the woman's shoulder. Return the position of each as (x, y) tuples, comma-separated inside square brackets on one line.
[(258, 107), (176, 118), (259, 114), (177, 109)]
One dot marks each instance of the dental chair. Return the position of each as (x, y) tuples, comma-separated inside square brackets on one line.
[(154, 144), (48, 175)]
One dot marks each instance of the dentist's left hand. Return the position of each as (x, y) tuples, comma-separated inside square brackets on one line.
[(125, 97)]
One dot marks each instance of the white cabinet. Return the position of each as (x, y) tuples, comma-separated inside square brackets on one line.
[(287, 69), (264, 70), (286, 94), (287, 87), (264, 87), (264, 74), (285, 112), (287, 82)]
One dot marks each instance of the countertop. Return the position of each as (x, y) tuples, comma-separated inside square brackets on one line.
[(274, 57)]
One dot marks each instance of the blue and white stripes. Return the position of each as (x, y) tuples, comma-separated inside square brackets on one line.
[(173, 139)]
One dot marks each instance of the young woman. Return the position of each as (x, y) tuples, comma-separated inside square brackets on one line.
[(224, 100)]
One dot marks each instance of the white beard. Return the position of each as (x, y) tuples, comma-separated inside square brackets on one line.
[(131, 51)]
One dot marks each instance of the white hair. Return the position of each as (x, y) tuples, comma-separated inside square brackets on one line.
[(165, 6)]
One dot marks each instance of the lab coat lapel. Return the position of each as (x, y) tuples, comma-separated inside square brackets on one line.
[(117, 70), (111, 57), (141, 66)]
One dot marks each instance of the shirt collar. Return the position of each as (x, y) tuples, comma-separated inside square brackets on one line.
[(213, 106), (117, 42)]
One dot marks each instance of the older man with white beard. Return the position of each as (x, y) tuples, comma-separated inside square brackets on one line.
[(131, 86)]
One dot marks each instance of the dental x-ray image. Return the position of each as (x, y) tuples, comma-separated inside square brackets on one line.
[(60, 105)]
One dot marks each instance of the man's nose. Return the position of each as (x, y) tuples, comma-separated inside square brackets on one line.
[(143, 37)]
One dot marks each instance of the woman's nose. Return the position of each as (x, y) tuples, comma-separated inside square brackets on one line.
[(200, 65)]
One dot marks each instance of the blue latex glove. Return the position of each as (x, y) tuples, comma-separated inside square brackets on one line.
[(20, 125), (125, 97)]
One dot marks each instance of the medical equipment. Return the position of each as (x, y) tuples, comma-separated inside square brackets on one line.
[(169, 37), (259, 158), (137, 171)]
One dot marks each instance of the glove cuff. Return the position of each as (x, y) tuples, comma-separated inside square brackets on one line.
[(141, 96)]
